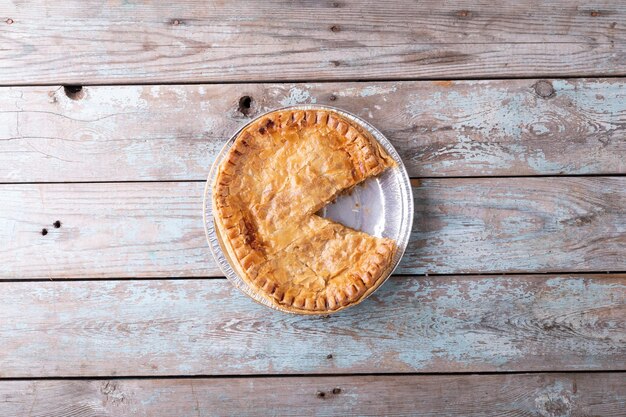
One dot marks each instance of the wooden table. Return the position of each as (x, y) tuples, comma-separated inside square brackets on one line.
[(510, 117)]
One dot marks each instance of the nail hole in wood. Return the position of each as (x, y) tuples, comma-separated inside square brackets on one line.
[(335, 28), (320, 394), (44, 232), (74, 92), (329, 356), (595, 13), (176, 22), (336, 391), (332, 97), (56, 224), (245, 103), (9, 21)]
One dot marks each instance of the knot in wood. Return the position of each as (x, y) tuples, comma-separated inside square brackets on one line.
[(544, 89)]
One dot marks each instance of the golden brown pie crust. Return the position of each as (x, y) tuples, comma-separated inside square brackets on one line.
[(280, 170)]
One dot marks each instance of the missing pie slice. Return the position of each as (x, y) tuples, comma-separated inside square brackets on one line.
[(279, 172)]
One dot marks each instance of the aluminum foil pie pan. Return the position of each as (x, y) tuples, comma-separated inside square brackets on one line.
[(381, 206)]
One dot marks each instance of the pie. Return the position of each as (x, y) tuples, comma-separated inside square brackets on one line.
[(280, 170)]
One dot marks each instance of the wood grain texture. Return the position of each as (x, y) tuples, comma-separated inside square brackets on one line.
[(518, 225), (207, 327), (521, 395), (473, 225), (462, 128), (88, 42)]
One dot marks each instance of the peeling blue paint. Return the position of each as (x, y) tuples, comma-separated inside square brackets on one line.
[(208, 327)]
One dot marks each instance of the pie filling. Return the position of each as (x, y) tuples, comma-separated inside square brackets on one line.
[(278, 173)]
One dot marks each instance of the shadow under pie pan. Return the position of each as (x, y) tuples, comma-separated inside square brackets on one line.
[(381, 206)]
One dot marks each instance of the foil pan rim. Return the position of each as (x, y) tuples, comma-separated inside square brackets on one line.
[(406, 208)]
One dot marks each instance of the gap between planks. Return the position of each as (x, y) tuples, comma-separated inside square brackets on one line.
[(311, 375), (400, 275), (323, 81)]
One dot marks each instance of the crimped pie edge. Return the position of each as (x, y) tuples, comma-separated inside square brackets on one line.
[(368, 151)]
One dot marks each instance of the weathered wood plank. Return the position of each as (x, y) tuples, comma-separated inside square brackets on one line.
[(207, 327), (84, 42), (520, 395), (518, 225), (107, 230), (464, 128), (473, 225)]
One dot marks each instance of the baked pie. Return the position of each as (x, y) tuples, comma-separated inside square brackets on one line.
[(279, 172)]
